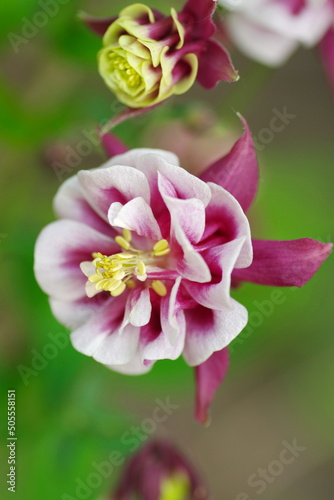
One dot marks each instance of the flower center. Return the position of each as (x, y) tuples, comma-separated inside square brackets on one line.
[(123, 71), (116, 272)]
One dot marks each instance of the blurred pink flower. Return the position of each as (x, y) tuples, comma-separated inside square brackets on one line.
[(140, 264), (158, 471), (201, 139), (269, 31)]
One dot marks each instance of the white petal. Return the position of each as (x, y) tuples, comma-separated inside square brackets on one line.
[(59, 251), (137, 216), (209, 331)]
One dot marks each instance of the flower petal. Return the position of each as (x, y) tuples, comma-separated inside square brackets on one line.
[(185, 184), (134, 367), (112, 145), (165, 337), (70, 203), (110, 184), (259, 43), (284, 263), (73, 314), (98, 26), (200, 12), (221, 259), (209, 331), (172, 322), (215, 65), (209, 376), (189, 214), (100, 337), (187, 223), (60, 249), (224, 207), (237, 172), (137, 216), (138, 308)]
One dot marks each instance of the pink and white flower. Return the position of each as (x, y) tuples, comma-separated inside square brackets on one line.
[(269, 31), (140, 264)]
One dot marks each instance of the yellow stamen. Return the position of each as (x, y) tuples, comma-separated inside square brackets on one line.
[(141, 268), (159, 288), (124, 256), (119, 290), (122, 242), (162, 253), (127, 235), (116, 272), (160, 246)]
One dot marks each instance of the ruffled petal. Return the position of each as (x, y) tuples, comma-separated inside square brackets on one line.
[(188, 214), (111, 184), (221, 259), (209, 331), (102, 338), (165, 337), (225, 215), (237, 172), (70, 203), (187, 223), (284, 263), (137, 216), (186, 185), (209, 376), (60, 249)]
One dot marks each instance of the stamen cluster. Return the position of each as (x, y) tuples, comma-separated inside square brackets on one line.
[(116, 272)]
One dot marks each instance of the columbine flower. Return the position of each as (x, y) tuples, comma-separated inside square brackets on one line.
[(271, 30), (147, 56), (159, 472), (141, 262)]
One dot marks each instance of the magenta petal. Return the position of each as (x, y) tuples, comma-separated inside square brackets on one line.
[(215, 65), (238, 171), (284, 263), (201, 11), (98, 26), (112, 145), (209, 376), (327, 52)]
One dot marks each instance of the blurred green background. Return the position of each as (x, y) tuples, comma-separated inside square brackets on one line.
[(71, 411)]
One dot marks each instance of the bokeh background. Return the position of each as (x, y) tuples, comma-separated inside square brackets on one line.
[(71, 411)]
